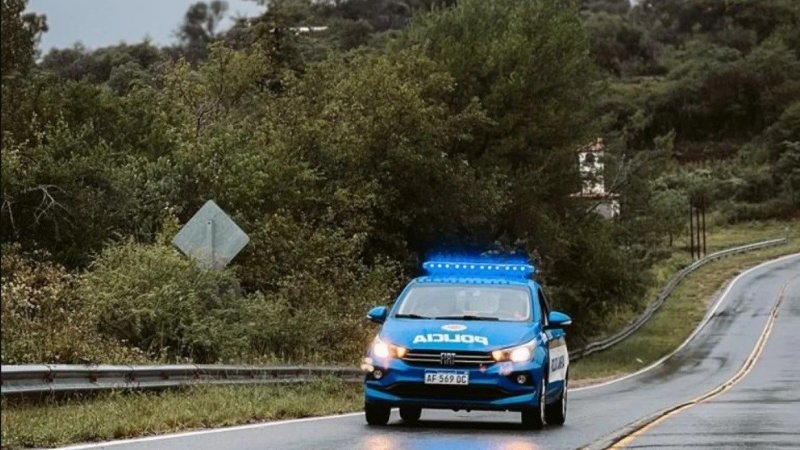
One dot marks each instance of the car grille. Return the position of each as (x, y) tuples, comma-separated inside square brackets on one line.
[(432, 391), (433, 358)]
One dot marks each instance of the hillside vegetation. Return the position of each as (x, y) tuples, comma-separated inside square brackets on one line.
[(348, 154)]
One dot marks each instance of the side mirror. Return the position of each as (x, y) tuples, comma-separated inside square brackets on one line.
[(377, 314), (558, 319)]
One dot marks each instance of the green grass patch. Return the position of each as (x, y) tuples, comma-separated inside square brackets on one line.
[(118, 415), (688, 304), (722, 237), (717, 238)]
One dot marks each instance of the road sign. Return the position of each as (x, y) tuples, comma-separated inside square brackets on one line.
[(211, 238)]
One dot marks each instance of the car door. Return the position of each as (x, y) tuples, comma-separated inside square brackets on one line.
[(556, 347)]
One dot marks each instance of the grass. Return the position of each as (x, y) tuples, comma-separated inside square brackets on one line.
[(749, 232), (688, 304), (118, 415), (717, 238)]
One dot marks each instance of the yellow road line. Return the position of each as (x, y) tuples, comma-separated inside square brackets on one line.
[(746, 368)]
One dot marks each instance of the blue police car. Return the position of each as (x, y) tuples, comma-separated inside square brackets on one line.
[(471, 335)]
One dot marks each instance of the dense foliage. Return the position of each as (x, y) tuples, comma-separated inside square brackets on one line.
[(713, 80), (350, 152)]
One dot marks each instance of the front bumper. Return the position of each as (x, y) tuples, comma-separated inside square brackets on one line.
[(491, 387)]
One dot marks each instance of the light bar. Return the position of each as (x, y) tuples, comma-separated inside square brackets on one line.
[(478, 269)]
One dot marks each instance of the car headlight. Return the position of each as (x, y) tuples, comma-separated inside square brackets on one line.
[(381, 349), (520, 353)]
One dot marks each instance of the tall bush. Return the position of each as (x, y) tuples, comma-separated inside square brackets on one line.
[(155, 299), (44, 321)]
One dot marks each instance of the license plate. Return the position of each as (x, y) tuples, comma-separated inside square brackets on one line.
[(448, 377)]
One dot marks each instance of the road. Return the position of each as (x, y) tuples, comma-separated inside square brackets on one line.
[(761, 410), (713, 356)]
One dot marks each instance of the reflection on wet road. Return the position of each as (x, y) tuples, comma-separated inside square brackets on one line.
[(756, 410), (428, 435)]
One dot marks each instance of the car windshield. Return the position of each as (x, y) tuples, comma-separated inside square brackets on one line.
[(466, 302)]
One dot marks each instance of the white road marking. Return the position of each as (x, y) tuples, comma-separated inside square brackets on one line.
[(203, 432)]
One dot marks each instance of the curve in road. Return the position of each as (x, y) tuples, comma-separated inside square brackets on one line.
[(761, 408)]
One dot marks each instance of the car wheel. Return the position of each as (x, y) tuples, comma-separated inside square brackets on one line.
[(410, 413), (556, 413), (534, 418), (376, 414)]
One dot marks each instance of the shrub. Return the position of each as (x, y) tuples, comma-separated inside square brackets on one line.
[(43, 321), (312, 292), (332, 327), (780, 207), (158, 301)]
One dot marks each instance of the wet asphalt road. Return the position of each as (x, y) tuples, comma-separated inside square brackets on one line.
[(760, 411), (715, 354)]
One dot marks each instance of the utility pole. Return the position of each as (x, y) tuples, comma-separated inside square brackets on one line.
[(691, 229), (697, 228), (704, 223)]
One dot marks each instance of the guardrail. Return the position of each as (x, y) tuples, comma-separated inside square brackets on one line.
[(54, 378), (673, 283)]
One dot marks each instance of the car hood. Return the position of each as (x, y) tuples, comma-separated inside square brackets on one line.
[(470, 335)]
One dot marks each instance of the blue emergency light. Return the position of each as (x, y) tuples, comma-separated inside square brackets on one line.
[(480, 269)]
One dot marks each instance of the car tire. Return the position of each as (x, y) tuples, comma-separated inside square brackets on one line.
[(410, 414), (534, 419), (556, 412), (376, 414)]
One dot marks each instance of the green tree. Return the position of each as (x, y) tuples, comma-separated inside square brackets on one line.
[(99, 66), (379, 132), (621, 46), (619, 7), (783, 143), (527, 64), (20, 34), (199, 28)]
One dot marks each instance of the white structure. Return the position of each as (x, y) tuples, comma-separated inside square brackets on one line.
[(592, 170)]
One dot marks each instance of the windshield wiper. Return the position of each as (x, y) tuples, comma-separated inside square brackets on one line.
[(410, 316), (467, 317)]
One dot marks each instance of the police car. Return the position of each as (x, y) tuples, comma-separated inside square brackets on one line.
[(470, 335)]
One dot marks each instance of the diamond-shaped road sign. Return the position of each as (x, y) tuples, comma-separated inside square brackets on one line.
[(211, 238)]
